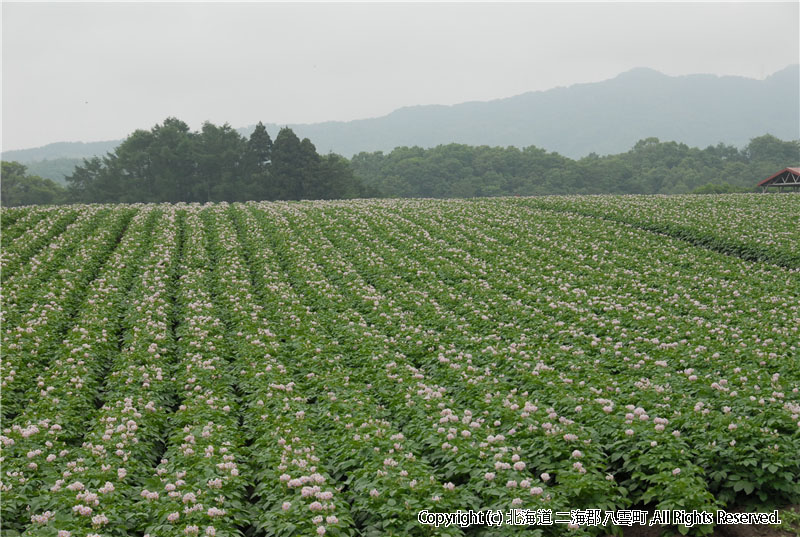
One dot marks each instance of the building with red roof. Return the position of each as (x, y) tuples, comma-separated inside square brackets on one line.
[(786, 178)]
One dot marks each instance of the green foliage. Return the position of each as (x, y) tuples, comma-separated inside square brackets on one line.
[(19, 188), (650, 167), (295, 166), (173, 164), (723, 188)]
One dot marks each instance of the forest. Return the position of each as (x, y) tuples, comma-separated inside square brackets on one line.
[(650, 167), (171, 163)]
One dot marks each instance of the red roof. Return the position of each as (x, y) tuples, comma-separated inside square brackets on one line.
[(795, 171)]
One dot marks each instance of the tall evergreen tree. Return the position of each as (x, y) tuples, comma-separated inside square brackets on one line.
[(84, 183), (287, 162), (256, 163), (173, 160), (218, 156), (312, 183)]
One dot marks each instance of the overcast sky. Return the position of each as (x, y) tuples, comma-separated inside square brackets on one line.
[(86, 72)]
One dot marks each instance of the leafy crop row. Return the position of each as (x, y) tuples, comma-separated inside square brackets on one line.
[(752, 226), (332, 368)]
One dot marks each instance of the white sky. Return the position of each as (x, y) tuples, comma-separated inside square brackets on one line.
[(85, 72)]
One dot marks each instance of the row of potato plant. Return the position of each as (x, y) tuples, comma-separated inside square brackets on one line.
[(198, 486), (30, 344), (335, 367), (481, 449), (91, 488), (785, 407), (66, 391), (31, 283), (293, 492), (753, 226), (390, 505), (30, 239), (778, 411), (17, 223)]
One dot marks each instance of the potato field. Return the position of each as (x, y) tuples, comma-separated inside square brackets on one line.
[(334, 368)]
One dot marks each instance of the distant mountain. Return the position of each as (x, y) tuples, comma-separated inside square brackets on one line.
[(59, 150), (600, 117), (56, 169)]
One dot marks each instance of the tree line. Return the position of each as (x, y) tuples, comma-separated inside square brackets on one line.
[(17, 187), (650, 167), (170, 163)]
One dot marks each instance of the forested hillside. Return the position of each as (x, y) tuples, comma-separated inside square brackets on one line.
[(57, 169)]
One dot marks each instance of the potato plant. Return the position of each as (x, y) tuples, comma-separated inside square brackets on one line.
[(333, 368)]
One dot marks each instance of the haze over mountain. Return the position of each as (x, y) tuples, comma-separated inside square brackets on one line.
[(602, 117)]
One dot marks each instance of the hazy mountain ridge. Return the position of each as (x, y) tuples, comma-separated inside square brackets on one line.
[(60, 150), (602, 117), (599, 117)]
